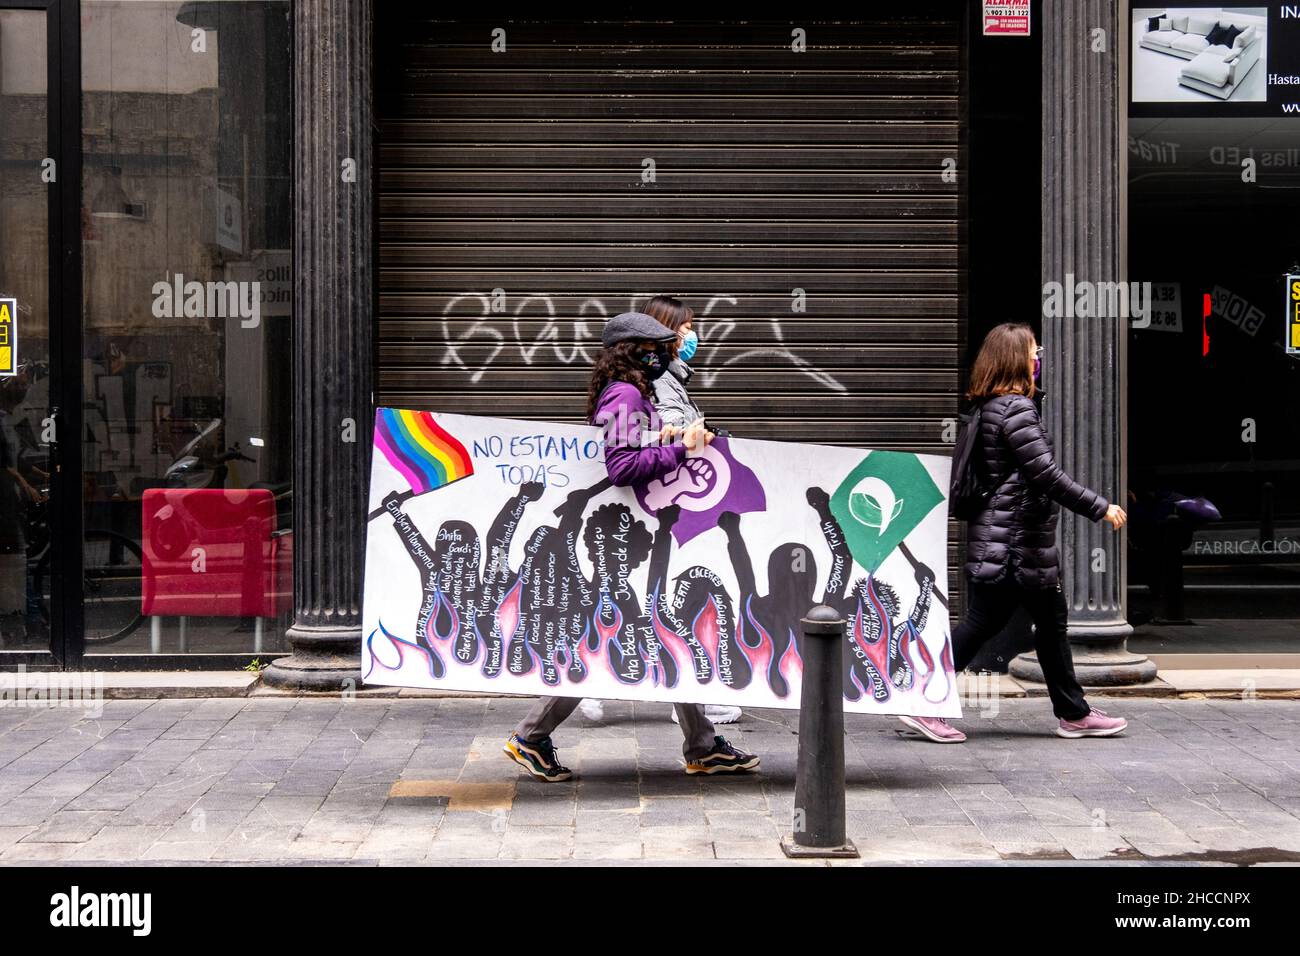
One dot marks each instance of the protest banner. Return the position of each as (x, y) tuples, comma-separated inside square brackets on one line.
[(499, 557)]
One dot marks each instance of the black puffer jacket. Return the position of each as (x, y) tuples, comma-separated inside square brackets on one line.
[(1017, 532)]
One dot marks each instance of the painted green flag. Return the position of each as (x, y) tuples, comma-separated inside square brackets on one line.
[(881, 502)]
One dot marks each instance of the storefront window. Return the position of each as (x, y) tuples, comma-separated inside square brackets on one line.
[(1214, 372), (186, 121), (24, 327)]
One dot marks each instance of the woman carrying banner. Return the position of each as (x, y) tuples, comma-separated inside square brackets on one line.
[(1012, 559), (637, 349), (671, 399), (676, 409)]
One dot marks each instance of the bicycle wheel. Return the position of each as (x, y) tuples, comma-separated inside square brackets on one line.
[(113, 575)]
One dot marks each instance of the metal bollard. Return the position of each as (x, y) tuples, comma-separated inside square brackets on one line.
[(819, 778)]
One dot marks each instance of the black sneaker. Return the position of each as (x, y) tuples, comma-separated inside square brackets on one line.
[(723, 758), (538, 758)]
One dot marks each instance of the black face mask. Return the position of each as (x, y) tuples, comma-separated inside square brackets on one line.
[(656, 362)]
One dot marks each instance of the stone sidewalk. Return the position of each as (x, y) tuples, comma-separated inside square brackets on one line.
[(393, 781)]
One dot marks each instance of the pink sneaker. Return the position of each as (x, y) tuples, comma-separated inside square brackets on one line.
[(1095, 724), (934, 728)]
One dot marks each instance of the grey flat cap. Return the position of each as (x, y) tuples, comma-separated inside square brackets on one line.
[(635, 327)]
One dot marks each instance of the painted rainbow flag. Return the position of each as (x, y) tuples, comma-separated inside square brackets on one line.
[(426, 455)]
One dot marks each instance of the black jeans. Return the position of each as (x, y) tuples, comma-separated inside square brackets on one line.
[(988, 609)]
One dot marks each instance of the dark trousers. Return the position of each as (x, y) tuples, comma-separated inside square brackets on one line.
[(988, 609)]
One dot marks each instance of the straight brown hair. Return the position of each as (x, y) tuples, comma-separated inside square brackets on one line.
[(1002, 366), (669, 311)]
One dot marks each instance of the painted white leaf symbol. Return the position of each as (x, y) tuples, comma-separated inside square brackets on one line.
[(872, 503)]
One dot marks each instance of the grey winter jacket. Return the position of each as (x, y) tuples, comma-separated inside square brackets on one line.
[(672, 402), (1016, 533)]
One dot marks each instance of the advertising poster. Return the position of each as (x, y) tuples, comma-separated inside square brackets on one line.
[(1292, 339), (8, 338), (1213, 60), (1006, 18)]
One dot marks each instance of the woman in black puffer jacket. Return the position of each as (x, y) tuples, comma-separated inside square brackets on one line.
[(1012, 560)]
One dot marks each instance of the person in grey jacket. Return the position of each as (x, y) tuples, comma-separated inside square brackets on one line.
[(671, 398), (672, 401), (675, 407), (636, 351)]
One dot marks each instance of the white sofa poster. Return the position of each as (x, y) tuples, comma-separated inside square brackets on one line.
[(499, 557)]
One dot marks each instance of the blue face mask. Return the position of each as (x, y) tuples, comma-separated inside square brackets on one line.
[(690, 342)]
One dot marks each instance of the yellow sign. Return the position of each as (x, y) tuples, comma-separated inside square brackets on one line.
[(1293, 314), (8, 338)]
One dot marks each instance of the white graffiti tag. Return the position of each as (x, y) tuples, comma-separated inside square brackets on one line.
[(577, 339)]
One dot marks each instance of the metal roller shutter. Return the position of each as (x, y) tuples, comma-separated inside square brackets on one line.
[(774, 170)]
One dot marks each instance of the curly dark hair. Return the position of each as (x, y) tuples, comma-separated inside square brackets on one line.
[(620, 362)]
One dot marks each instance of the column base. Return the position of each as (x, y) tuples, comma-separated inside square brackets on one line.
[(1101, 658), (797, 851), (323, 659)]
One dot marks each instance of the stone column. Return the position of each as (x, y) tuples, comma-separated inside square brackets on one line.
[(1084, 173), (333, 252)]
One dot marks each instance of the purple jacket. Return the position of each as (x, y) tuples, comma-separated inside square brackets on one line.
[(624, 414)]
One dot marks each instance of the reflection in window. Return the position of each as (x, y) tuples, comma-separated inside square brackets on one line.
[(186, 118), (1214, 399), (24, 333)]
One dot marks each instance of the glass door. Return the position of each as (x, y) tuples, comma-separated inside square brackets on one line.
[(185, 438), (38, 484), (145, 333)]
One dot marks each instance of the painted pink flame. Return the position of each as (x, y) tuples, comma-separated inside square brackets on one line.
[(946, 671), (401, 646), (853, 676), (432, 631), (705, 627), (669, 642), (791, 666), (927, 659), (507, 614), (877, 651), (538, 660), (590, 659), (760, 657), (610, 632)]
